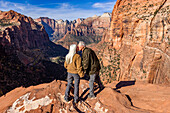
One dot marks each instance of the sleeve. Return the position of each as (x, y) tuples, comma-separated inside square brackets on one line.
[(79, 67), (86, 61), (65, 64)]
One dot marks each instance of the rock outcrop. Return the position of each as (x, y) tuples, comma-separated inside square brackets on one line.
[(139, 34), (25, 49), (89, 30), (56, 29), (50, 98), (49, 24), (21, 32)]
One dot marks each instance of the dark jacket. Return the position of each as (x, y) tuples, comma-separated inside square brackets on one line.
[(91, 64)]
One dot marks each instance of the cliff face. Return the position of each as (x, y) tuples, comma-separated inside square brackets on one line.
[(89, 30), (21, 32), (49, 24), (139, 32), (25, 49), (66, 32), (95, 25), (56, 29)]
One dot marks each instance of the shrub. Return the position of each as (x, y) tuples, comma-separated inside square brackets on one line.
[(144, 71), (151, 5), (156, 12), (4, 22)]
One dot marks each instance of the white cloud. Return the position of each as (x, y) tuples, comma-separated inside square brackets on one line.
[(61, 11), (105, 6)]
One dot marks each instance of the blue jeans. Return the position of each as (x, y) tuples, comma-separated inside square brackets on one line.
[(70, 78), (94, 78)]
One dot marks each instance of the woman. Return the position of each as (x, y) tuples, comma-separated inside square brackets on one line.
[(74, 69)]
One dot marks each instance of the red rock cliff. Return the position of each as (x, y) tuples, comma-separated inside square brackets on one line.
[(21, 32), (90, 29), (25, 49), (140, 33)]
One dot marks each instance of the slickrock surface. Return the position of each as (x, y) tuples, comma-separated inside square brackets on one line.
[(49, 98)]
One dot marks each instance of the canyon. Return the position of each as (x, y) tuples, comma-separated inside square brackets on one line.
[(25, 50), (67, 32), (133, 48)]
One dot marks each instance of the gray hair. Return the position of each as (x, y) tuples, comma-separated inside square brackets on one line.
[(81, 43), (72, 52)]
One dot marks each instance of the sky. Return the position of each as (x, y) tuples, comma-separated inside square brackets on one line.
[(58, 9)]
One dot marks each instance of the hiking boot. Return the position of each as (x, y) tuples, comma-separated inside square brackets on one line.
[(91, 96), (66, 99)]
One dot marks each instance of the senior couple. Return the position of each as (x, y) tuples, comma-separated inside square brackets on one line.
[(78, 67)]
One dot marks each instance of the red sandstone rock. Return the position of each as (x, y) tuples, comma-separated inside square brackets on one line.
[(50, 98), (21, 31), (145, 96), (25, 49), (139, 33), (89, 30)]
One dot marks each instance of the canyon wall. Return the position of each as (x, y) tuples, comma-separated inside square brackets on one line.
[(21, 32), (139, 33), (67, 32), (25, 50)]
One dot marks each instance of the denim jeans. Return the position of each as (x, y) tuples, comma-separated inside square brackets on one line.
[(70, 78), (94, 78)]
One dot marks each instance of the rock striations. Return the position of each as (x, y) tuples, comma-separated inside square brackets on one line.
[(19, 31), (25, 49), (139, 34), (135, 49), (89, 30)]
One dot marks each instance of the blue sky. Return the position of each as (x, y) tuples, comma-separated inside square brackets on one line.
[(58, 9)]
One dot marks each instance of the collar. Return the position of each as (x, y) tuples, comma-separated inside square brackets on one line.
[(83, 49)]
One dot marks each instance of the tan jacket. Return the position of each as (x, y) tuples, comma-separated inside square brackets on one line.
[(76, 66)]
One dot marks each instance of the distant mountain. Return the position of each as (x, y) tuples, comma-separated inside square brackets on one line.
[(56, 29), (25, 50), (67, 32)]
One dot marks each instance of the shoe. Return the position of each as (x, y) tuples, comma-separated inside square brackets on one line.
[(91, 96), (66, 99)]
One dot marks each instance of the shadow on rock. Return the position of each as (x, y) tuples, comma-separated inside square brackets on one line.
[(124, 84), (14, 73), (76, 108)]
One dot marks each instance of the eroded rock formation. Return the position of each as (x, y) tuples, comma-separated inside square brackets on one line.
[(139, 32), (89, 30), (50, 98), (21, 32), (25, 49)]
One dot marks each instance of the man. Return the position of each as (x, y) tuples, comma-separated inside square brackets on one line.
[(91, 66)]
